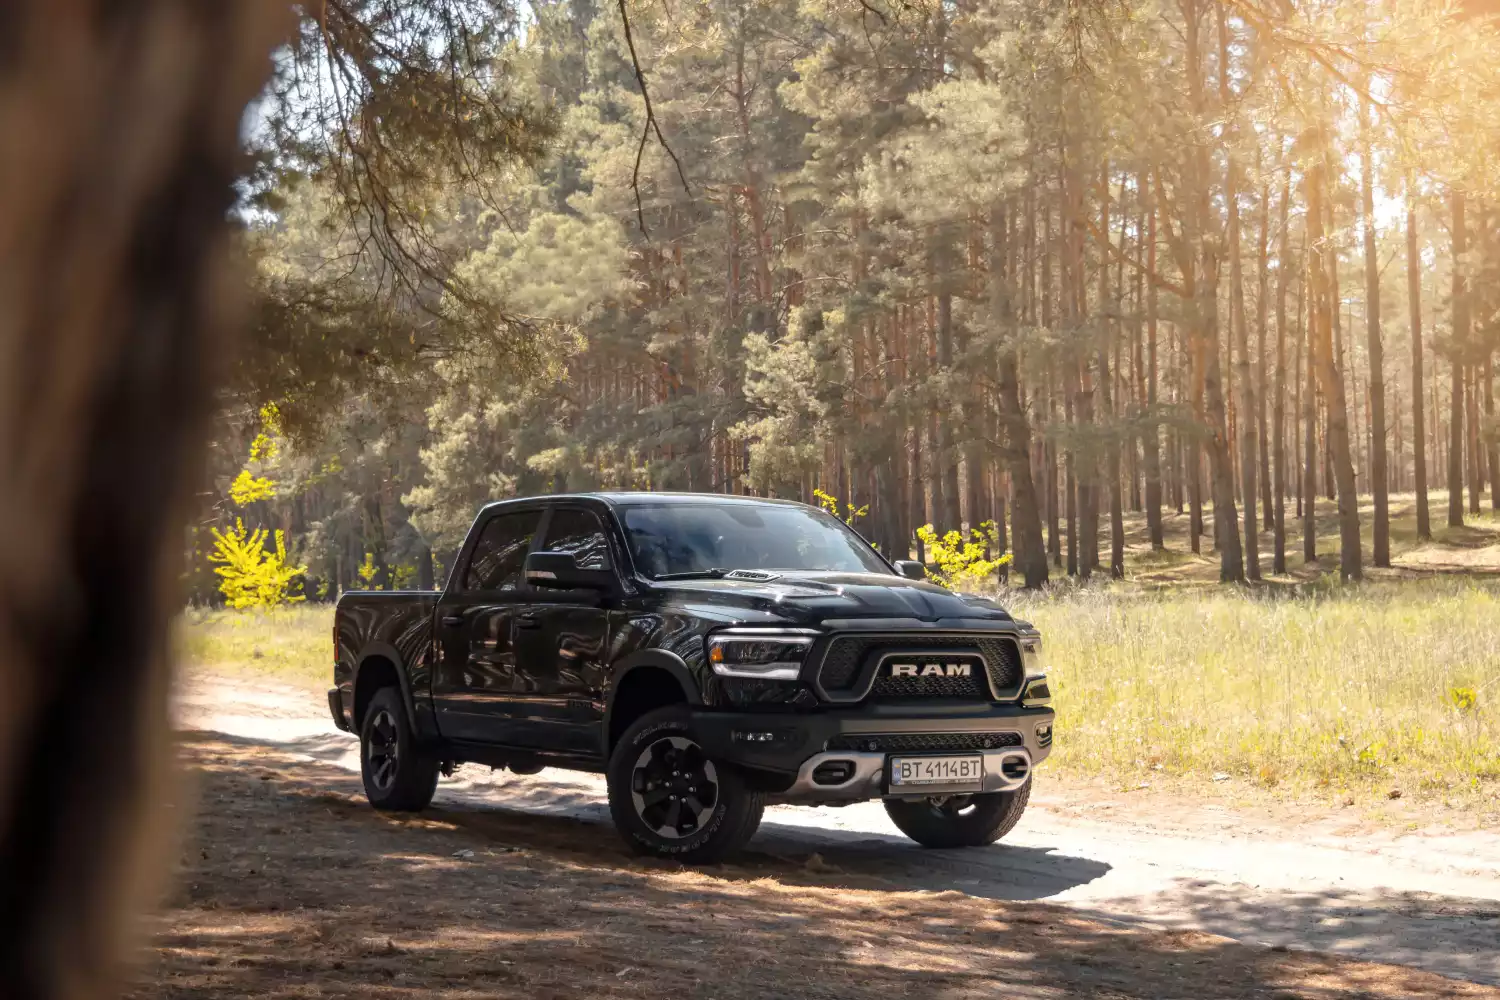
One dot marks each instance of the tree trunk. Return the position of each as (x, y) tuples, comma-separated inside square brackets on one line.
[(1026, 522), (1278, 417), (1332, 382), (123, 124), (1418, 415), (1492, 454), (1475, 455), (1380, 554), (1152, 428), (1239, 336), (1112, 460), (1262, 306), (1309, 408), (1460, 342)]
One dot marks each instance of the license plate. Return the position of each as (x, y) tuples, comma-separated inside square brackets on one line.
[(907, 771)]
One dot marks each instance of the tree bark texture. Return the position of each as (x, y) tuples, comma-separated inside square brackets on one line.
[(123, 122)]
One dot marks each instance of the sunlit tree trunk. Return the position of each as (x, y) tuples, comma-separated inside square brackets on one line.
[(1380, 554), (1112, 459), (1153, 431), (1460, 339), (1330, 379), (1278, 413), (1205, 317), (1310, 400), (1418, 415), (1239, 339), (1026, 522)]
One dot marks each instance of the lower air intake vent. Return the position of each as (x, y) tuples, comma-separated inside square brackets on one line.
[(924, 742)]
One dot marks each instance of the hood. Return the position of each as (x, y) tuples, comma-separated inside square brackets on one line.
[(811, 598)]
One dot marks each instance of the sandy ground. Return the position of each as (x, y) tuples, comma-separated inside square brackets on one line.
[(1208, 872)]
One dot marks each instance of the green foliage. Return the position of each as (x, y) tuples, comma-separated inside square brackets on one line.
[(404, 577), (962, 557), (251, 576)]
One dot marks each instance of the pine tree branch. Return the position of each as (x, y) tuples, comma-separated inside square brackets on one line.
[(651, 126), (1155, 277)]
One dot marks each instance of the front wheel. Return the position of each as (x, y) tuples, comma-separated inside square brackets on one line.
[(959, 820), (668, 799), (397, 774)]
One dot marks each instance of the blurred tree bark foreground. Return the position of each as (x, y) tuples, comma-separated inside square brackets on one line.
[(121, 124)]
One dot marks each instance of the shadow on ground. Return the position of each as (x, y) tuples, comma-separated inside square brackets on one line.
[(292, 886)]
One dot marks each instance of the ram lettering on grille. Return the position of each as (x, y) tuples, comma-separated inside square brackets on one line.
[(930, 670)]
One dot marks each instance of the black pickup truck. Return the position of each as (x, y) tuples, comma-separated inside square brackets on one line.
[(709, 655)]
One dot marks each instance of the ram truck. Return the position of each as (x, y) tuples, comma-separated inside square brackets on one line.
[(709, 655)]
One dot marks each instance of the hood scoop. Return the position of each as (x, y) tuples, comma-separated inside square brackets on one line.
[(753, 575)]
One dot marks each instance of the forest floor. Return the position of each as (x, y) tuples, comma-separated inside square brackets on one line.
[(288, 885)]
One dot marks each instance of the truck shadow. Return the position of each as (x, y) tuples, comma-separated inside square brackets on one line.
[(561, 808), (292, 880)]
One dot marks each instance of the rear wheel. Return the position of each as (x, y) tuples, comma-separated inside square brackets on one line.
[(397, 774), (670, 800), (959, 820)]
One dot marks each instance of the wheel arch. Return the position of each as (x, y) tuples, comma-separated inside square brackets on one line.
[(640, 684), (380, 664)]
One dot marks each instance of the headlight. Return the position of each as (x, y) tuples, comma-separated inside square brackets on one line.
[(768, 654), (1031, 654)]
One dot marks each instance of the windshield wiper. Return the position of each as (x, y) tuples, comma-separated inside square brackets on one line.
[(714, 573)]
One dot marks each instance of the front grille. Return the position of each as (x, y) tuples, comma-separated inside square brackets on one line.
[(848, 661), (841, 662), (924, 742), (969, 688)]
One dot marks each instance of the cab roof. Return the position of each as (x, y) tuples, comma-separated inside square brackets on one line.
[(628, 498)]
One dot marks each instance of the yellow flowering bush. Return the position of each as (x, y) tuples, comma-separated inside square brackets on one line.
[(962, 558), (250, 576)]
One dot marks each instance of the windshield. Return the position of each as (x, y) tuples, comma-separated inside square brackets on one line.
[(689, 538)]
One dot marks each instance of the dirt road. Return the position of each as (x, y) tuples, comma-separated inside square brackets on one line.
[(1428, 902)]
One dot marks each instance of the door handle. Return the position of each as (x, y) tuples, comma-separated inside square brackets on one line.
[(527, 621), (453, 619)]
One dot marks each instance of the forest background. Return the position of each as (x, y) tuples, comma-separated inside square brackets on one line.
[(1105, 276)]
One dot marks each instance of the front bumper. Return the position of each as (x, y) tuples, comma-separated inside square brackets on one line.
[(790, 749)]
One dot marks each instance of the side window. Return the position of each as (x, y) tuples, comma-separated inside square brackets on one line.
[(499, 558), (581, 533)]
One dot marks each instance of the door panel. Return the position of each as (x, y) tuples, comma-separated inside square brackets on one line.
[(561, 645), (560, 673), (475, 674)]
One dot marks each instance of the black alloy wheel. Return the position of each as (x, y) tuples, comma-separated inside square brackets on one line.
[(382, 750), (674, 787), (670, 800), (398, 774)]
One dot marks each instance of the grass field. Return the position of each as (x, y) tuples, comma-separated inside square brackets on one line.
[(1301, 684)]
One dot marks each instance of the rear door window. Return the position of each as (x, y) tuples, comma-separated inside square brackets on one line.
[(499, 559)]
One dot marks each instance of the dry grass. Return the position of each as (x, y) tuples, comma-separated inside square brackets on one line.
[(1355, 690), (293, 644)]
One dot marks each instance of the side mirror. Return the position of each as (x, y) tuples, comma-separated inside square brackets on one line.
[(911, 569), (560, 570)]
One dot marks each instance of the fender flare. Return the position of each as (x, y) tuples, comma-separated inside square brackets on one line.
[(386, 651), (657, 659)]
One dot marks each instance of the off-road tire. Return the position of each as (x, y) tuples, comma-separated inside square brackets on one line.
[(398, 775), (659, 750), (982, 820)]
